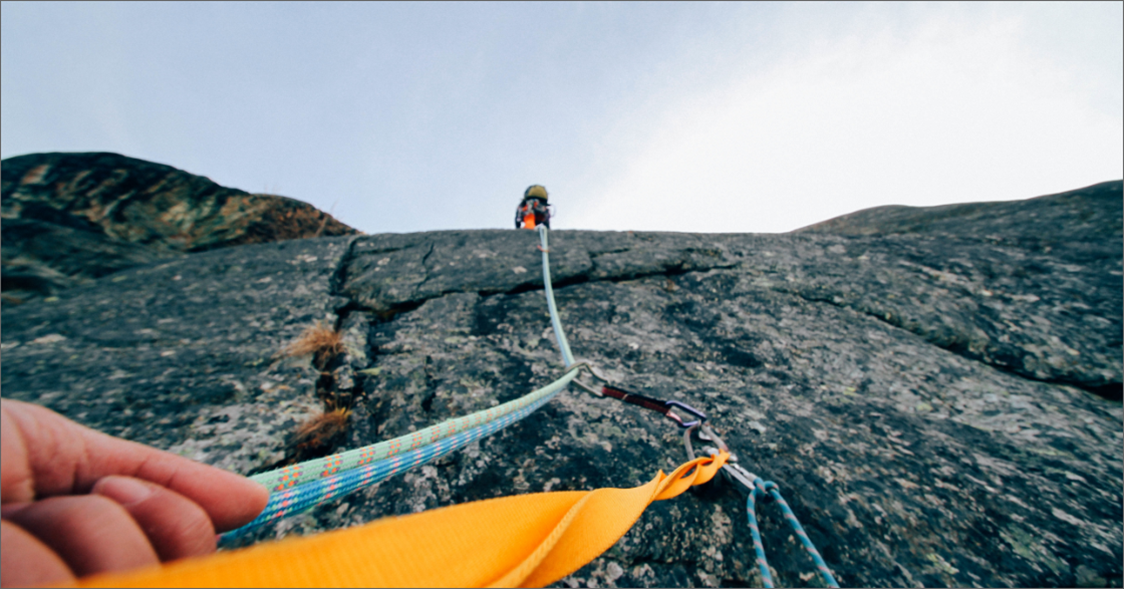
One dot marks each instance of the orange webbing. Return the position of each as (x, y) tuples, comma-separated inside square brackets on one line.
[(523, 540)]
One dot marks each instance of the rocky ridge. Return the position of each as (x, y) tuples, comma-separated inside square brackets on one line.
[(69, 218), (939, 406)]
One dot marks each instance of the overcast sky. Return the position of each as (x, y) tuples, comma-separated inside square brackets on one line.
[(692, 117)]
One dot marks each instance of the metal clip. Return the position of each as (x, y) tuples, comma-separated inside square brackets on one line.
[(738, 474), (580, 364), (707, 435), (732, 470), (587, 388), (685, 407), (583, 363)]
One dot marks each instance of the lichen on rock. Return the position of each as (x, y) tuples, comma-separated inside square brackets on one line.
[(938, 407), (69, 218)]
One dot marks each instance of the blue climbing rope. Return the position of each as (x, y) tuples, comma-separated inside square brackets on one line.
[(765, 489), (756, 488), (308, 495)]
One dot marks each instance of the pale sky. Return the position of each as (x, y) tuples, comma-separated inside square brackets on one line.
[(695, 117)]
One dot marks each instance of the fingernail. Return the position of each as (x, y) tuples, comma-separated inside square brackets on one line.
[(123, 490)]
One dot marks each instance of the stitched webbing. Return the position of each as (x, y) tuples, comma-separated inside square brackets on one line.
[(635, 399), (522, 540)]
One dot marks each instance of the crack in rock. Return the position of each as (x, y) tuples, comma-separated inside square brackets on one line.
[(908, 464)]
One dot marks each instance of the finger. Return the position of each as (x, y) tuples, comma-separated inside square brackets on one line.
[(92, 534), (176, 527), (8, 509), (66, 458), (25, 561), (15, 478)]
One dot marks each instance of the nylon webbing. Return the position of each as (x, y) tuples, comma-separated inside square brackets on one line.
[(635, 399), (516, 541)]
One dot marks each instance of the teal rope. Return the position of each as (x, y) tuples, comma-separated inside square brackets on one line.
[(311, 470), (765, 489), (300, 487), (560, 335), (308, 495)]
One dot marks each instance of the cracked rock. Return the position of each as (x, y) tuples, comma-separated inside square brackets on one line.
[(936, 392)]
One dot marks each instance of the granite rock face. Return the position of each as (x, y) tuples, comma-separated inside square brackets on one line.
[(72, 217), (939, 407)]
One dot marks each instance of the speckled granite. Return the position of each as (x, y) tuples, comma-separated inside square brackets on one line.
[(938, 408)]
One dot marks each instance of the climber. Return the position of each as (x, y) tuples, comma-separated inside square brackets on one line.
[(533, 209)]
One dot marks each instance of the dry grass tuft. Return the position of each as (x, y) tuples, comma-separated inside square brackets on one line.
[(317, 436), (320, 340), (320, 431)]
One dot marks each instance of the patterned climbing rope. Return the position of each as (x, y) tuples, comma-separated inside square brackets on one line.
[(311, 470), (766, 489), (303, 497)]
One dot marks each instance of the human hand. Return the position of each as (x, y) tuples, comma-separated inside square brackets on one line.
[(76, 501)]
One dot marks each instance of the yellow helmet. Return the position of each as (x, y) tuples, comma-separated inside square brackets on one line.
[(535, 190)]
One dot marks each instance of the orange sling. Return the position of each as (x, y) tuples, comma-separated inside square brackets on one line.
[(519, 541)]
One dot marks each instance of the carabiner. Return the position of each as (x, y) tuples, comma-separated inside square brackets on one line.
[(732, 470), (676, 418), (738, 474), (706, 434), (582, 362)]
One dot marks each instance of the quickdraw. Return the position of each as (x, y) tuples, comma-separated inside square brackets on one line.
[(300, 487), (754, 485), (665, 408)]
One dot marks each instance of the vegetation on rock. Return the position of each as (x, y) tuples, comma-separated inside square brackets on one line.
[(939, 406), (71, 217)]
